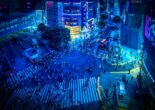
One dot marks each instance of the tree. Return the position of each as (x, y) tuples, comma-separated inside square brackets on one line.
[(14, 39), (60, 36), (57, 36), (117, 19), (104, 16), (41, 27), (44, 30), (103, 21), (103, 8), (101, 24)]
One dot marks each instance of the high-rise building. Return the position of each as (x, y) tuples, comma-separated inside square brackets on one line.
[(149, 42), (136, 7), (27, 4), (132, 31), (16, 15), (116, 7), (11, 6), (15, 22), (54, 13), (71, 14), (4, 7)]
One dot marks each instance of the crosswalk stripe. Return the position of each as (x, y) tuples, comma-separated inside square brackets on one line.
[(62, 97), (11, 100), (83, 93), (42, 95), (19, 94), (30, 98), (70, 89), (33, 99), (51, 94), (26, 73), (68, 96), (25, 98), (23, 94), (72, 102), (76, 89), (80, 91), (60, 88), (91, 89), (46, 96), (88, 92), (74, 94), (95, 90), (65, 97)]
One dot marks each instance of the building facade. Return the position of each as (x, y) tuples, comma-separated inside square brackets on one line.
[(54, 13), (74, 15), (16, 22), (132, 32), (149, 40), (4, 7)]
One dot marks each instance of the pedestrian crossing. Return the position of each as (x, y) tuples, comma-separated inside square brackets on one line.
[(78, 92), (21, 76)]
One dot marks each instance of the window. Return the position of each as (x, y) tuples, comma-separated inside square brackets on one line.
[(3, 29), (11, 27), (11, 22), (6, 24), (3, 24), (16, 25)]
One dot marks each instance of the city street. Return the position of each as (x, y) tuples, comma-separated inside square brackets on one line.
[(77, 55)]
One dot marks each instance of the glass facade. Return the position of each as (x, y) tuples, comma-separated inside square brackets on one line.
[(71, 14), (15, 24), (54, 13)]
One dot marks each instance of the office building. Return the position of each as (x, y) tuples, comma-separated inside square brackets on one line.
[(54, 13), (16, 21), (71, 14)]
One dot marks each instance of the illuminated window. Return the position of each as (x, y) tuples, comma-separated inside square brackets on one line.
[(49, 4), (15, 25), (7, 24), (11, 22), (11, 27), (3, 24), (3, 29)]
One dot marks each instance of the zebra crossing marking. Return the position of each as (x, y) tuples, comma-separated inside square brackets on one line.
[(95, 89), (23, 94), (75, 88)]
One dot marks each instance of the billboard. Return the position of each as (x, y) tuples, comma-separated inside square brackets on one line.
[(146, 31), (149, 30)]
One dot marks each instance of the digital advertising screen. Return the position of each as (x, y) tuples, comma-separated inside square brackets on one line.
[(149, 31)]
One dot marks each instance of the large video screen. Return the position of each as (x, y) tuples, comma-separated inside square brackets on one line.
[(149, 31)]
